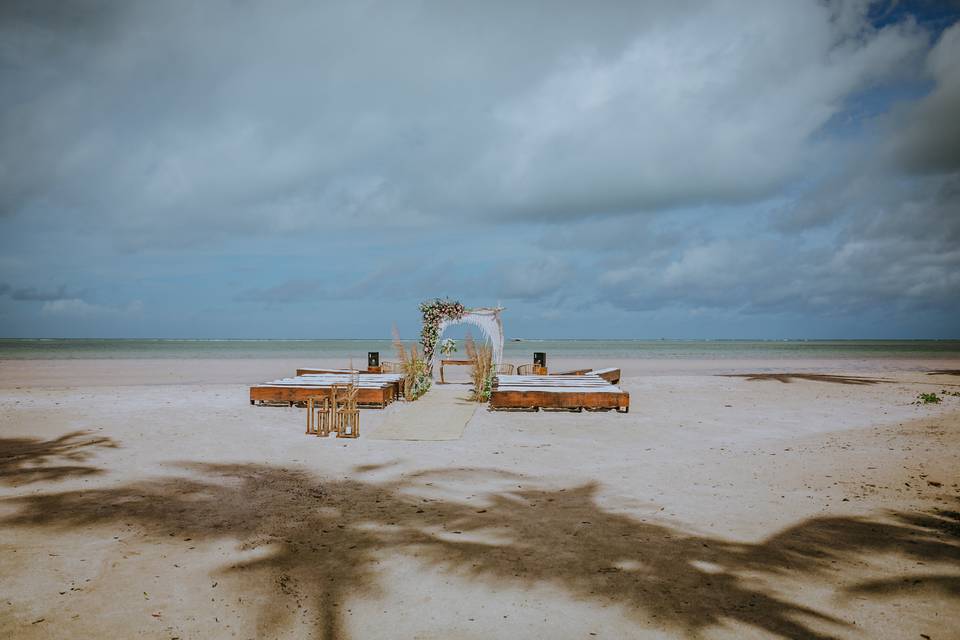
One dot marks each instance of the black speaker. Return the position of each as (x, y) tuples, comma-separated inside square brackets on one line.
[(373, 359), (540, 358)]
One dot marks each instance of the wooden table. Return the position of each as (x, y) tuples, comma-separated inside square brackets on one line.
[(443, 362)]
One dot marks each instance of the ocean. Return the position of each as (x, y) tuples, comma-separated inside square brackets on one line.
[(40, 349)]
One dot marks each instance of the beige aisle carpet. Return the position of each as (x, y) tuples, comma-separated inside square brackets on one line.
[(440, 414)]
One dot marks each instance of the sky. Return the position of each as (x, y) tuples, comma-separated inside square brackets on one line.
[(293, 169)]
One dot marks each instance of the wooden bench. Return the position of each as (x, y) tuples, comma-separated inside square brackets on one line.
[(394, 379), (573, 392), (313, 370), (374, 390), (611, 375)]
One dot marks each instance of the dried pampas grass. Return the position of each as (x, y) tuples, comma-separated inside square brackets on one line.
[(481, 372), (415, 369)]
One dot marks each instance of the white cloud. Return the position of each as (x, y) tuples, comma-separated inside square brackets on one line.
[(78, 308)]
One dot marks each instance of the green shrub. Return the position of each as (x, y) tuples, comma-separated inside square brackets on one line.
[(928, 398)]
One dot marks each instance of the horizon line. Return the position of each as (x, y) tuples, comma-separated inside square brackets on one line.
[(660, 339)]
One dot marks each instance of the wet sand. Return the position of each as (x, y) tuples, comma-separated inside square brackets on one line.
[(147, 498)]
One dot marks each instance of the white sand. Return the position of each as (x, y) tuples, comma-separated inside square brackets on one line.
[(440, 414), (717, 507)]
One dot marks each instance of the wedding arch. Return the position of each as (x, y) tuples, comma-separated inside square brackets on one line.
[(438, 314)]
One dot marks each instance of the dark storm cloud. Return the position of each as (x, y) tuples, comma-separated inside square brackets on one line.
[(928, 138), (689, 155), (65, 303), (144, 117), (90, 17), (33, 294), (391, 279), (891, 245), (533, 277)]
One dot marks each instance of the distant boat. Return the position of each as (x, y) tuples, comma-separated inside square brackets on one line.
[(516, 340)]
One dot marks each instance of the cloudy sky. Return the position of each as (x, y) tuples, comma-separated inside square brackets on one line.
[(616, 169)]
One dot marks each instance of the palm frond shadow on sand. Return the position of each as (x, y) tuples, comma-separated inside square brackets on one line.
[(326, 537), (27, 460), (812, 377)]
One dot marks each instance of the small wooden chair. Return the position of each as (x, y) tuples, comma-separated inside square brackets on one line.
[(531, 370), (505, 369), (346, 411)]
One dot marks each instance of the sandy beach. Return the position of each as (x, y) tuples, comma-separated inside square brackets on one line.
[(689, 273), (147, 498)]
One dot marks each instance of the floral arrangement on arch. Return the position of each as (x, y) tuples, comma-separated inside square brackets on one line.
[(448, 347), (434, 312)]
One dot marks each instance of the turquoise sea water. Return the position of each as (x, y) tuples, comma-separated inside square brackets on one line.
[(30, 349)]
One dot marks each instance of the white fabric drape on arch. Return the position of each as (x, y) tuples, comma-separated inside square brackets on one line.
[(489, 323)]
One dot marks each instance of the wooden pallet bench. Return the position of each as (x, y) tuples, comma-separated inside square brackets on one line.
[(394, 378), (573, 372), (574, 392), (314, 370), (375, 390), (611, 375)]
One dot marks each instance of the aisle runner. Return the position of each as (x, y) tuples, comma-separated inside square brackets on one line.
[(441, 414)]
